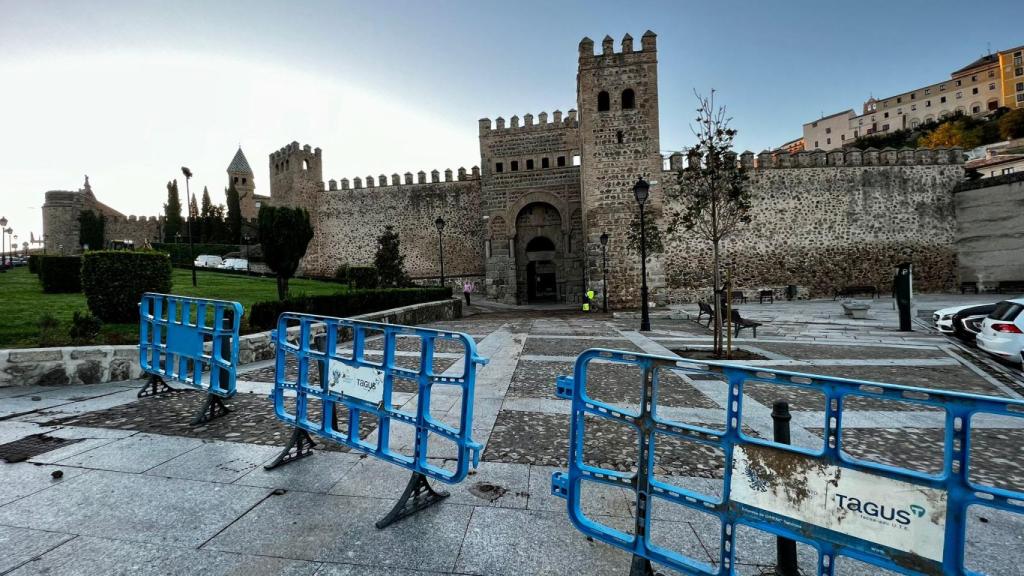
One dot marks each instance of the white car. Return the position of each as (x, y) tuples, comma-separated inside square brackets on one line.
[(1002, 333), (208, 261), (943, 319), (235, 264)]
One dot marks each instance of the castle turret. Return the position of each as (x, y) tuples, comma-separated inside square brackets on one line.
[(240, 174)]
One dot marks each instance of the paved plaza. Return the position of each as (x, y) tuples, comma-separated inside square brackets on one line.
[(141, 491)]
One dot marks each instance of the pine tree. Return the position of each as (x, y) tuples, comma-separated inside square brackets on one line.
[(389, 261), (206, 224), (172, 212), (234, 219), (284, 236), (193, 214)]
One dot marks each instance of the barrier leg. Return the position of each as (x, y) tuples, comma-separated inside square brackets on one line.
[(213, 407), (300, 443), (640, 566), (785, 548), (417, 496), (155, 386)]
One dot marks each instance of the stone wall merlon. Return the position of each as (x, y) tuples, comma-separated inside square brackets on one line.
[(648, 43), (285, 151), (542, 123), (420, 179), (840, 157)]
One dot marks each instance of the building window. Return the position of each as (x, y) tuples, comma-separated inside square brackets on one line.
[(529, 164), (1019, 87), (1017, 58), (959, 94), (885, 127), (942, 87), (975, 109), (991, 73), (628, 99), (561, 161), (1008, 170), (942, 100), (1020, 97), (236, 179), (828, 130), (243, 180), (993, 104), (816, 144), (899, 100), (618, 136), (855, 134), (974, 90), (828, 141), (842, 137), (515, 166), (974, 77), (913, 95), (913, 107), (603, 102), (499, 167), (927, 91), (913, 123), (886, 115), (927, 103), (958, 83), (1018, 71), (991, 85), (545, 163), (576, 160)]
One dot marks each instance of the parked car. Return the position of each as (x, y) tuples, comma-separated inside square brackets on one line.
[(967, 322), (208, 261), (943, 319), (235, 264), (1002, 331)]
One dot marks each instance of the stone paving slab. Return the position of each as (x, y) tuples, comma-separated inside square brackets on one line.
[(807, 351), (21, 545), (90, 556), (315, 473), (23, 479), (328, 528), (134, 454), (216, 462), (90, 438), (134, 507), (538, 345)]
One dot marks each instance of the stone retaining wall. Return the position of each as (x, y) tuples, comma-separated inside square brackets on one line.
[(96, 364)]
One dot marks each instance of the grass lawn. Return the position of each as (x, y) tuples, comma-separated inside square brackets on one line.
[(22, 302)]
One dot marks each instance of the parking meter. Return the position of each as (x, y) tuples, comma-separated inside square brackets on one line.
[(903, 286)]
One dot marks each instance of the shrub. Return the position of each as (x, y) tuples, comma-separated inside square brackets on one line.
[(84, 328), (341, 274), (33, 263), (114, 282), (49, 330), (60, 273), (364, 277), (263, 315)]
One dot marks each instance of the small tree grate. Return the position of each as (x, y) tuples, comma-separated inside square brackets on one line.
[(29, 446)]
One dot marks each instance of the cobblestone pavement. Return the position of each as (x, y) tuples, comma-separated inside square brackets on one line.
[(147, 446)]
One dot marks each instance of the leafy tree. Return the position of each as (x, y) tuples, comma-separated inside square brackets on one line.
[(1011, 124), (284, 236), (91, 229), (389, 261), (234, 217), (952, 134), (172, 212), (713, 192)]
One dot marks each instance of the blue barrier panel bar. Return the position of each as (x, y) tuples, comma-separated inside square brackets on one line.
[(358, 386), (193, 341), (907, 521)]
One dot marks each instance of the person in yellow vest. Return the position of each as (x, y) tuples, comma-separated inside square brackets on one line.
[(588, 299)]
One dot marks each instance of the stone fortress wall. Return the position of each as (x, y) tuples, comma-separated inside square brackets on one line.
[(60, 221)]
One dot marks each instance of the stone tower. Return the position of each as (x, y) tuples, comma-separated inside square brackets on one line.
[(240, 174), (296, 175), (617, 96)]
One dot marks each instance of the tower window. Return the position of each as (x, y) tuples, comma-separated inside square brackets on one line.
[(236, 179), (529, 164), (603, 102), (628, 99), (618, 136), (305, 164), (545, 162), (499, 167), (561, 160), (515, 166), (243, 180)]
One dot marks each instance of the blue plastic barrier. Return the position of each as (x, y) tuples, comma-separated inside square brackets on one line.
[(359, 384), (193, 341), (904, 520)]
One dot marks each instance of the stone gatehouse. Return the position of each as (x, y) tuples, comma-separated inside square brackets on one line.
[(526, 223)]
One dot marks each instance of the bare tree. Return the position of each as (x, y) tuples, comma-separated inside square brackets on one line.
[(713, 195)]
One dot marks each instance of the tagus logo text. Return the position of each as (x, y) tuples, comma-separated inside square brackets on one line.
[(880, 513)]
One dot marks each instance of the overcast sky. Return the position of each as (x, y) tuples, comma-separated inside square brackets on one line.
[(127, 92)]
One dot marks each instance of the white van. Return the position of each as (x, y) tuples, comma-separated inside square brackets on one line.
[(208, 261)]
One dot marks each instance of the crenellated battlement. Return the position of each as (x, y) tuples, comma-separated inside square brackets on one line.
[(835, 158), (292, 149), (407, 179), (557, 121), (648, 46), (134, 218)]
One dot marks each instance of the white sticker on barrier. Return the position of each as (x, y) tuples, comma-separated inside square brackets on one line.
[(875, 508), (362, 382)]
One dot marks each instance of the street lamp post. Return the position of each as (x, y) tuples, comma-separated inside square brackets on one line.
[(439, 223), (604, 271), (640, 191), (188, 195), (3, 251)]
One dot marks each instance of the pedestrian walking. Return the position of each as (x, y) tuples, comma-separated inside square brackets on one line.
[(467, 289)]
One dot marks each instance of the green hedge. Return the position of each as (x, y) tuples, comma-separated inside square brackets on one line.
[(179, 252), (114, 281), (263, 315), (363, 277), (60, 273), (33, 263)]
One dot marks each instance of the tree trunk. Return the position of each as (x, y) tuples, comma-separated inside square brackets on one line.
[(717, 303), (282, 287)]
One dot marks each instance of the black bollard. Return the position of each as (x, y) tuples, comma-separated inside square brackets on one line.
[(785, 548)]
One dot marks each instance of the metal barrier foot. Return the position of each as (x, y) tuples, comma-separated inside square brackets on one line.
[(302, 445), (212, 408), (417, 496), (155, 386), (641, 566)]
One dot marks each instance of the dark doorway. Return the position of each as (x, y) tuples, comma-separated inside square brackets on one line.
[(541, 282)]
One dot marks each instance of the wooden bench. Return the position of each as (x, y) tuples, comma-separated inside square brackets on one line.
[(706, 309), (968, 286), (739, 323), (768, 295), (1010, 286), (737, 295), (858, 310), (858, 290)]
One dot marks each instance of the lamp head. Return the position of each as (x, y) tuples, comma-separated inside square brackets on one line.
[(186, 172), (439, 223), (3, 221), (604, 239), (641, 190)]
